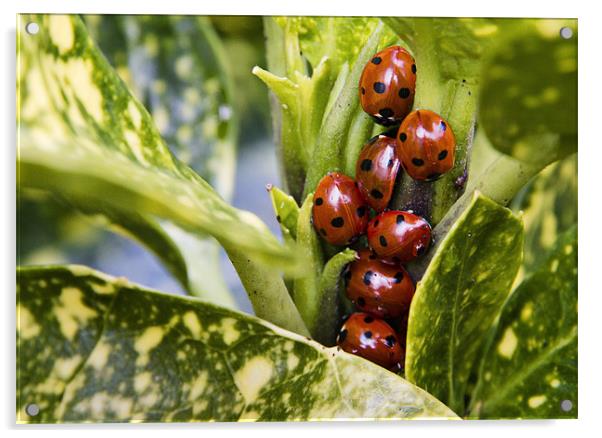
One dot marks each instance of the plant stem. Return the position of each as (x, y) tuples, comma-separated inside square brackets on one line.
[(306, 287), (329, 312), (267, 292)]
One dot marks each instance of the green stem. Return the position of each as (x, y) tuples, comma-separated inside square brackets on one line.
[(267, 292), (306, 287), (330, 310)]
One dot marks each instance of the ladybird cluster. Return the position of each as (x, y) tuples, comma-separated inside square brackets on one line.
[(344, 209)]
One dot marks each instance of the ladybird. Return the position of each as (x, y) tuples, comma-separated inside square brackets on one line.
[(381, 289), (376, 171), (426, 145), (399, 236), (339, 212), (371, 338), (388, 84)]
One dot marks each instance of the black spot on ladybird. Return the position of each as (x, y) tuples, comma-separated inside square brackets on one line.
[(337, 222), (366, 165), (404, 93), (390, 341), (361, 302), (414, 68), (319, 201), (443, 125), (376, 60), (399, 219), (368, 319), (379, 87), (390, 163), (342, 335), (368, 277), (361, 211), (376, 194), (403, 136), (398, 277), (368, 334), (417, 162), (376, 223), (382, 240), (363, 90), (386, 112), (442, 154)]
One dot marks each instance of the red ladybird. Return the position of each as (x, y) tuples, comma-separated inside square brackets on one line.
[(399, 236), (381, 289), (339, 212), (372, 339), (376, 171), (388, 85), (427, 145)]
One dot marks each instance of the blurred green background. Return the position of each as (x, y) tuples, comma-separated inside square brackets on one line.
[(50, 231)]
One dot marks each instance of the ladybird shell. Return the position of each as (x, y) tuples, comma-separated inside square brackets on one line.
[(384, 290), (388, 84), (339, 212), (399, 236), (371, 338), (427, 145), (376, 171)]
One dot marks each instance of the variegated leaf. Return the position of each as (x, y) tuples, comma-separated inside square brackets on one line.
[(83, 135), (459, 297), (528, 102), (530, 367), (95, 348)]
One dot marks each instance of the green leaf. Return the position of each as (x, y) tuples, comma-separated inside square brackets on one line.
[(549, 205), (528, 104), (530, 365), (286, 211), (94, 348), (83, 135), (174, 65), (459, 297)]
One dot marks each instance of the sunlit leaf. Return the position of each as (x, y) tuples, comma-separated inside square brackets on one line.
[(94, 348), (530, 367), (459, 297), (83, 135), (528, 104)]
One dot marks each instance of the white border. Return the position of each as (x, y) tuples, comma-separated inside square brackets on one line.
[(590, 162)]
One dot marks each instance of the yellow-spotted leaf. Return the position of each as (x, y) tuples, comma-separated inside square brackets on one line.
[(459, 297), (94, 348), (530, 367), (83, 135), (528, 100), (549, 205)]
